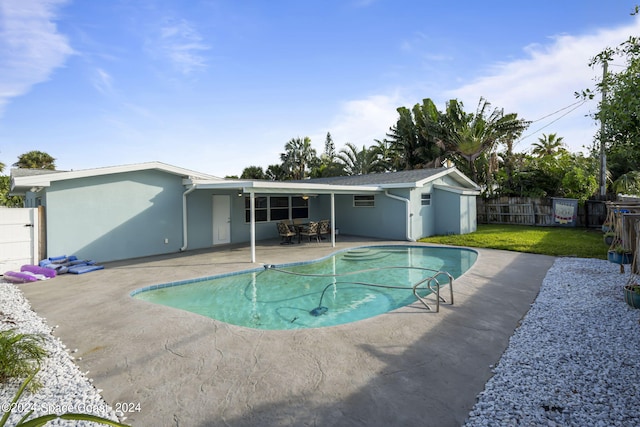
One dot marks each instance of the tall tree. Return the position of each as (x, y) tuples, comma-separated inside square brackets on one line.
[(329, 148), (404, 139), (469, 135), (360, 162), (327, 165), (5, 198), (430, 137), (298, 157), (253, 172), (36, 160), (387, 156), (277, 173), (548, 145), (619, 108), (628, 183), (416, 136)]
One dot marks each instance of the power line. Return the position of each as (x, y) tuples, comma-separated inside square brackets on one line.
[(575, 107), (562, 109)]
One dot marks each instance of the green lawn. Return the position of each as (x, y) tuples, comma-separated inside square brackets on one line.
[(556, 241)]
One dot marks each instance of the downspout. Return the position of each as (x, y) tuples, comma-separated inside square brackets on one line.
[(184, 217), (252, 227), (408, 207)]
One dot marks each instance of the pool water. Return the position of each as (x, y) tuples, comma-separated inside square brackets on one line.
[(345, 287)]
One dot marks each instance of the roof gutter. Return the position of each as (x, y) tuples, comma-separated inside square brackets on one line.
[(408, 209), (184, 217)]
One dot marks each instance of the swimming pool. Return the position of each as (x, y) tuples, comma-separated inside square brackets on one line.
[(347, 286)]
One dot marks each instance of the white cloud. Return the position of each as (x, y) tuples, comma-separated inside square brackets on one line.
[(103, 82), (31, 47), (545, 81), (182, 45), (541, 83), (361, 121)]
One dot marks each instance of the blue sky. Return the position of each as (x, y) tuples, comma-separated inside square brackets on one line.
[(218, 85)]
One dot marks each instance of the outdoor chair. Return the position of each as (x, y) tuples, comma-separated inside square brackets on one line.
[(285, 233), (324, 228), (311, 231)]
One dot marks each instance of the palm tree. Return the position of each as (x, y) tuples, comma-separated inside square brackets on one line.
[(548, 145), (36, 160), (429, 123), (468, 135), (628, 183), (298, 157), (276, 173), (253, 172), (360, 162), (403, 137), (388, 157), (416, 136)]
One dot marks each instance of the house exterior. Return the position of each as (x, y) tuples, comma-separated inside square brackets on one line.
[(131, 211)]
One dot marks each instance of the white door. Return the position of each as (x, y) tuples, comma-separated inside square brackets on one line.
[(221, 219), (18, 237)]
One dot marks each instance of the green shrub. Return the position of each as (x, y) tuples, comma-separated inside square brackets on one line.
[(44, 419), (20, 355)]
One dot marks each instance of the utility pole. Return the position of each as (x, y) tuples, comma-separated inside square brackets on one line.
[(603, 152)]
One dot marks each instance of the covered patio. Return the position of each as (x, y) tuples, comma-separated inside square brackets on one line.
[(406, 367), (254, 188)]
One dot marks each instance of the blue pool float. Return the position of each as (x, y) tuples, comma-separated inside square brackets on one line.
[(81, 269), (70, 264)]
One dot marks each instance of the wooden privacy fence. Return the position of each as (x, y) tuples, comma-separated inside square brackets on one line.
[(535, 211)]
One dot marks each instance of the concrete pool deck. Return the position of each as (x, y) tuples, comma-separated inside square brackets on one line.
[(408, 367)]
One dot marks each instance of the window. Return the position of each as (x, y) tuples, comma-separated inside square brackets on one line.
[(299, 207), (261, 209), (425, 199), (364, 201), (276, 208)]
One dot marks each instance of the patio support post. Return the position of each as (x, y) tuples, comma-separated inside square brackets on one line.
[(185, 228), (252, 202), (333, 220)]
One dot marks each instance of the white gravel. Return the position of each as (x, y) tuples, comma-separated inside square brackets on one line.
[(64, 387), (575, 359)]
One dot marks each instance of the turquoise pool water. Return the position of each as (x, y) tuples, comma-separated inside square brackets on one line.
[(345, 287)]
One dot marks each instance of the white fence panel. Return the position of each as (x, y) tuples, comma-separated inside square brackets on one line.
[(19, 230)]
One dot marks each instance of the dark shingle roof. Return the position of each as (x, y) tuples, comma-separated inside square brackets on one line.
[(16, 172), (402, 177)]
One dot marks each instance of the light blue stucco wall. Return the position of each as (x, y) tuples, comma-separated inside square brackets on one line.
[(468, 214), (387, 220), (200, 219), (423, 219), (115, 217), (131, 214), (447, 212), (455, 213)]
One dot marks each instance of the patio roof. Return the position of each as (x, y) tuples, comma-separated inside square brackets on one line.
[(283, 187)]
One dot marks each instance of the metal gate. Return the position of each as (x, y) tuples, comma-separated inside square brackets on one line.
[(19, 237)]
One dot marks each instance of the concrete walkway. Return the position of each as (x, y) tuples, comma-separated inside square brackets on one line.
[(408, 367)]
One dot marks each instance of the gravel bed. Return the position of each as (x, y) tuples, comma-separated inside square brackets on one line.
[(574, 360), (64, 387)]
